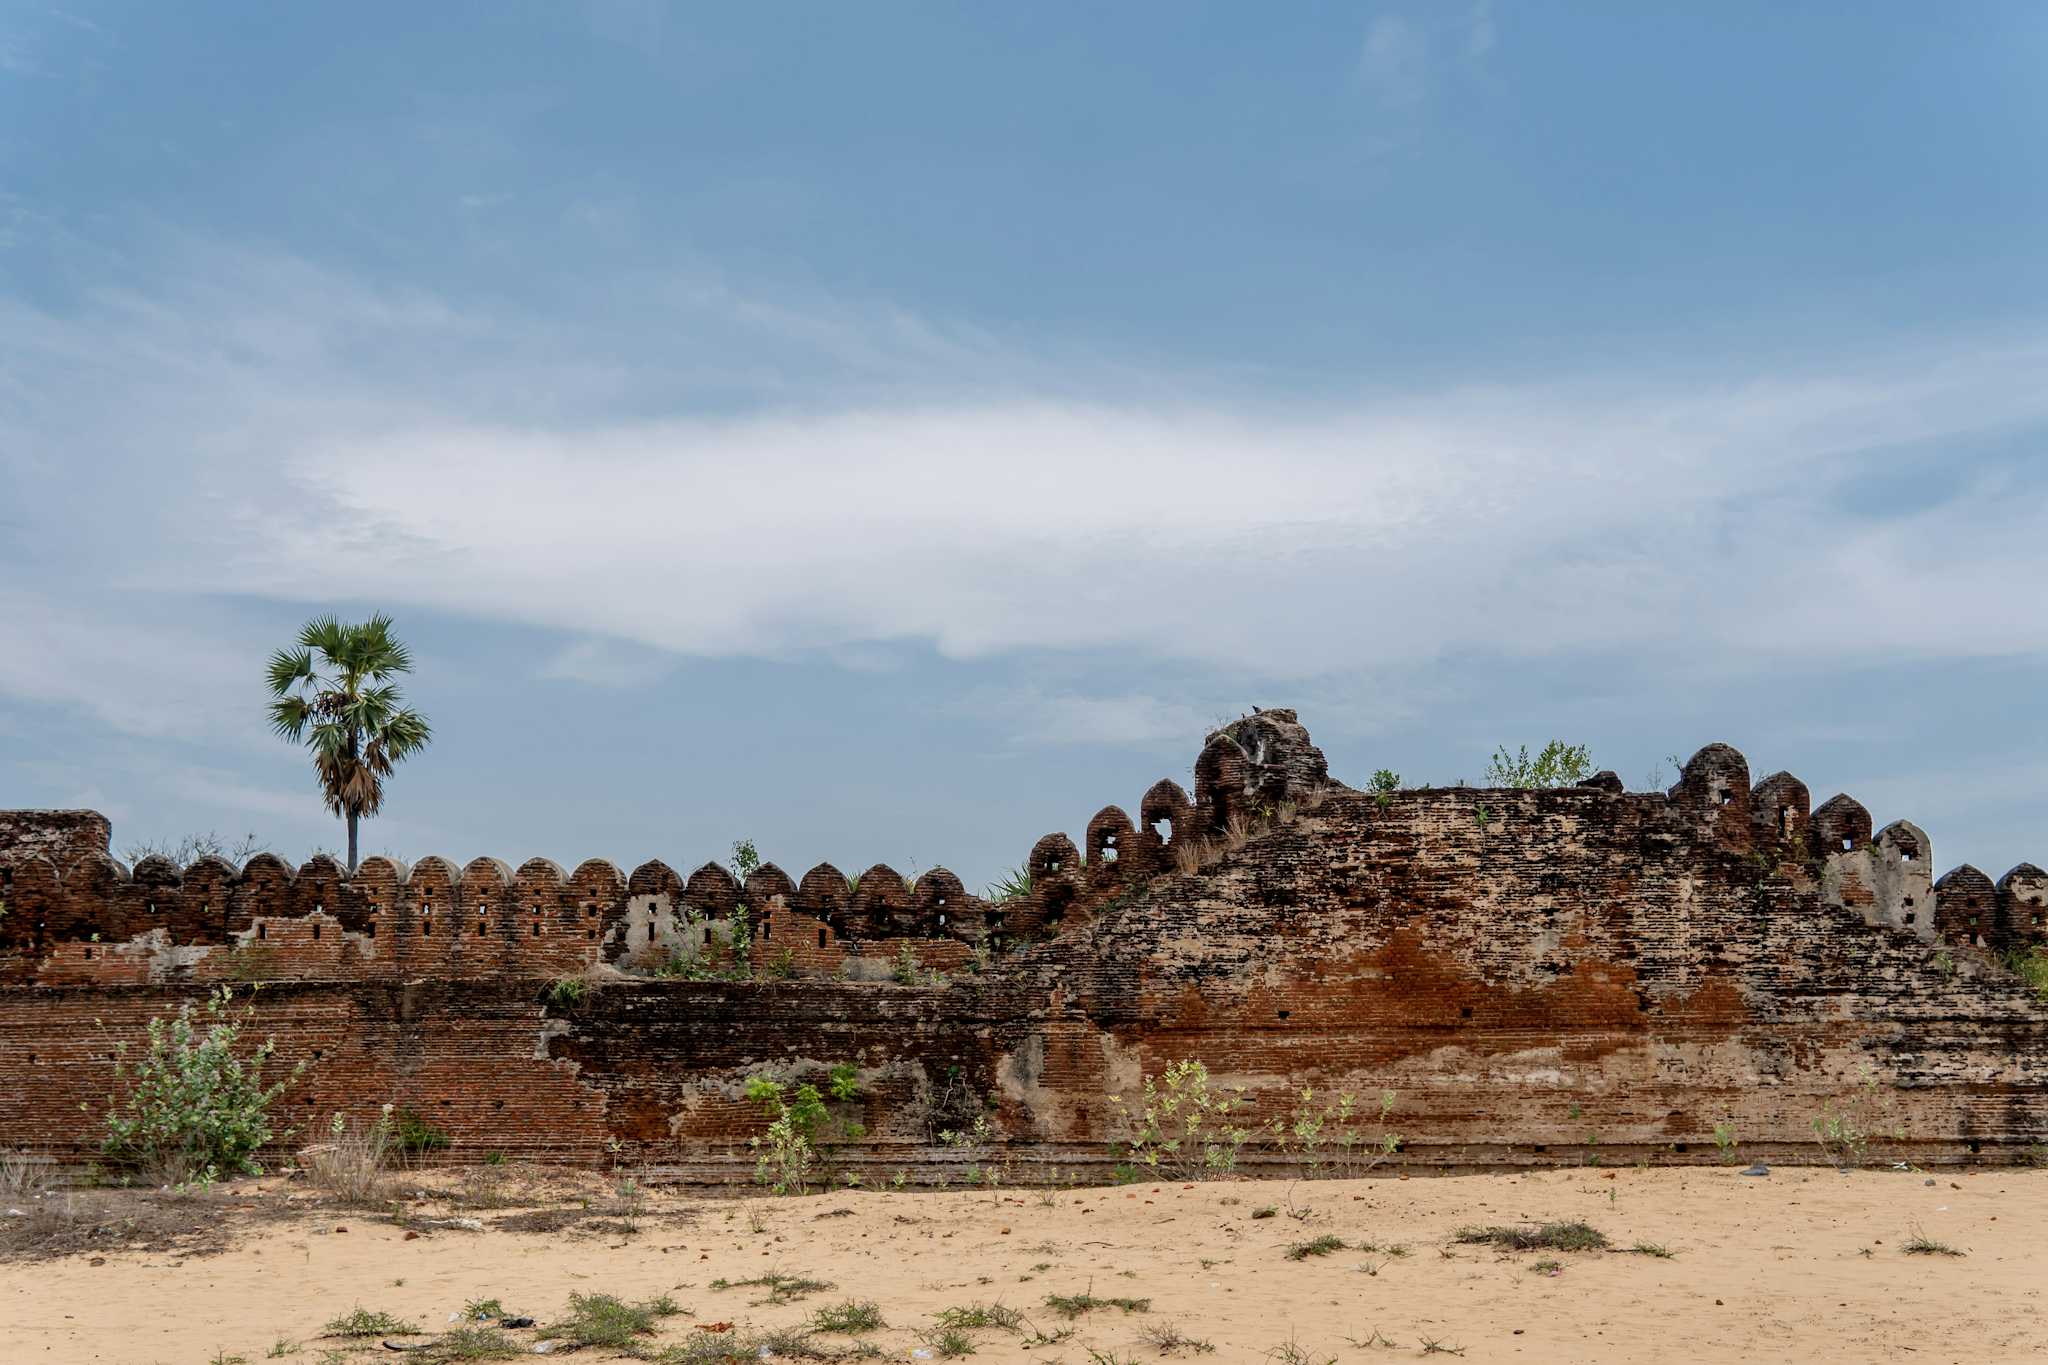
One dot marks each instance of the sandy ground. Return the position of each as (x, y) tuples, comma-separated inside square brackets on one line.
[(1802, 1265)]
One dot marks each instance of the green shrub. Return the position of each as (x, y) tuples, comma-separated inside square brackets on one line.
[(1179, 1129), (1336, 1138), (196, 1107), (1558, 765), (786, 1154)]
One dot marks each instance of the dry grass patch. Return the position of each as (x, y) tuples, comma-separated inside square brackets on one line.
[(1536, 1237)]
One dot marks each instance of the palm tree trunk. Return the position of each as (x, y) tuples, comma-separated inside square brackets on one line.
[(351, 843)]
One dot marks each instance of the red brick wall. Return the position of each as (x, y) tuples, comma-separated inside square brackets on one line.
[(1541, 976)]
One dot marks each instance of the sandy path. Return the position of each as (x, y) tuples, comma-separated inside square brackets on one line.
[(1766, 1269)]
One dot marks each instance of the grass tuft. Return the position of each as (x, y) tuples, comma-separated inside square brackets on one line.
[(1167, 1338), (949, 1343), (475, 1343), (1537, 1237), (781, 1288), (975, 1317), (850, 1318), (1319, 1246), (361, 1322), (1074, 1305), (603, 1320)]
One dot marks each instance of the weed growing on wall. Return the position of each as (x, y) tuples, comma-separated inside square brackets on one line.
[(1846, 1128), (786, 1154), (1557, 765), (1180, 1128), (787, 1157), (195, 1107), (1012, 885), (2031, 966)]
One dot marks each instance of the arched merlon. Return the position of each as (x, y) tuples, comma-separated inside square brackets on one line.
[(823, 894), (1113, 852), (655, 878), (1714, 790), (1966, 908), (769, 886), (1165, 803), (1902, 878), (711, 891), (1780, 812), (2023, 906), (1841, 825)]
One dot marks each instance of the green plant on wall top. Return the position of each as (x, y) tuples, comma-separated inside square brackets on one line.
[(334, 692), (1557, 765)]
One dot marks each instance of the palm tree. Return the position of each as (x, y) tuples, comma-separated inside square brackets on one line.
[(343, 706)]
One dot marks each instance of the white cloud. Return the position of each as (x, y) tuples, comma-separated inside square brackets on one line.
[(287, 434)]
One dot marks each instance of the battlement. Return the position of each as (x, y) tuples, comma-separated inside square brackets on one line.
[(75, 913), (1655, 962)]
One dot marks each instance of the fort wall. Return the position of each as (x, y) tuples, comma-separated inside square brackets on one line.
[(1539, 975)]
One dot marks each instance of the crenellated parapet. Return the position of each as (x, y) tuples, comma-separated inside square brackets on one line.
[(76, 913), (1886, 878)]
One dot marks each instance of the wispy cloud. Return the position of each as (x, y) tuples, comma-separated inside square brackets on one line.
[(290, 433)]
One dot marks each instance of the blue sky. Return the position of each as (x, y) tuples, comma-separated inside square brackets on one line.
[(895, 432)]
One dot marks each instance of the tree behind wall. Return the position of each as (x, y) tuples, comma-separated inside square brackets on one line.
[(334, 693)]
